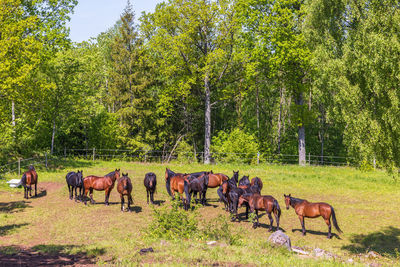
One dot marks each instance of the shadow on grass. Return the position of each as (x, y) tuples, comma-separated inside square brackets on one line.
[(42, 193), (317, 233), (266, 226), (51, 255), (136, 209), (386, 241), (8, 229), (158, 202), (14, 206)]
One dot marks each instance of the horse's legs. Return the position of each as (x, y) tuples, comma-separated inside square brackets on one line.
[(147, 190), (255, 223), (91, 196), (25, 192), (303, 228), (122, 202), (271, 220), (76, 194), (69, 191), (247, 211), (328, 222), (277, 219), (152, 197), (36, 189), (130, 201), (108, 191)]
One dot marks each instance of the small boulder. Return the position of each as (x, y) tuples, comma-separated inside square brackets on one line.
[(211, 243), (280, 239)]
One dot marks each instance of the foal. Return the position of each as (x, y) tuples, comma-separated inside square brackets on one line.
[(150, 182), (28, 179), (266, 203), (124, 188), (307, 209)]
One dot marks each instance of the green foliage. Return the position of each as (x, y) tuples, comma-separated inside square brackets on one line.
[(184, 153), (219, 229), (236, 146), (173, 223)]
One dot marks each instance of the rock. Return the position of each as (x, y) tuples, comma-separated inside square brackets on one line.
[(322, 253), (145, 250), (211, 243), (299, 250), (372, 254), (163, 243), (350, 260), (280, 239)]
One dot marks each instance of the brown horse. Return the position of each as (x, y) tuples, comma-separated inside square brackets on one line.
[(105, 183), (28, 179), (216, 179), (124, 188), (266, 203), (175, 182), (307, 209)]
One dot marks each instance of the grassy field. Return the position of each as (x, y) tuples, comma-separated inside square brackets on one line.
[(53, 228)]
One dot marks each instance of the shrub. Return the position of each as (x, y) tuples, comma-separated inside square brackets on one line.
[(237, 146), (173, 223)]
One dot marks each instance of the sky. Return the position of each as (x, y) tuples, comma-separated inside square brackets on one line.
[(92, 17)]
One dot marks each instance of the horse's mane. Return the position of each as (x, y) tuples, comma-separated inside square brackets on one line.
[(111, 174), (170, 173), (296, 200)]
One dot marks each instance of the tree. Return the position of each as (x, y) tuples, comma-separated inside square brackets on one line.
[(195, 43)]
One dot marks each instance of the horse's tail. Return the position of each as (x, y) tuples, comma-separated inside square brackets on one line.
[(334, 220), (168, 185), (23, 179), (277, 207)]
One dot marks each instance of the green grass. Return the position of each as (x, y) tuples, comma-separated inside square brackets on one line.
[(366, 205)]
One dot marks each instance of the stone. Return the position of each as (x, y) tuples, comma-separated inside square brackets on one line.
[(145, 250), (299, 250), (280, 239), (372, 254), (211, 243)]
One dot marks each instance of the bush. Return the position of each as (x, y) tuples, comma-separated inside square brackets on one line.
[(219, 229), (236, 146), (172, 223), (184, 153)]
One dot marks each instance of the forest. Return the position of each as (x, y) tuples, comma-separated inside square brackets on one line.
[(274, 77)]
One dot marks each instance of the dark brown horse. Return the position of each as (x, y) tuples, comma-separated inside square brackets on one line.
[(257, 181), (104, 183), (257, 202), (28, 179), (150, 182), (305, 209), (124, 188)]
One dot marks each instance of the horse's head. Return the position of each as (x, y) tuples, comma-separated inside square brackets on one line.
[(117, 174), (168, 174), (287, 200), (31, 168), (206, 180), (80, 176), (235, 176)]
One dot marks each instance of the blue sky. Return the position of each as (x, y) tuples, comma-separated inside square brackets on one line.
[(92, 17)]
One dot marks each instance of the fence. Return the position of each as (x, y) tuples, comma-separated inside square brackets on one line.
[(164, 157), (216, 157)]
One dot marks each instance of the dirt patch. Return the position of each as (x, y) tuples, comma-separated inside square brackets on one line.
[(49, 186), (27, 257)]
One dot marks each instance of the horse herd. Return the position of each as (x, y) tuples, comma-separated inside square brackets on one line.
[(234, 193)]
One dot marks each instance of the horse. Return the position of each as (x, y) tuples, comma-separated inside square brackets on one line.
[(75, 181), (257, 181), (124, 188), (222, 190), (150, 182), (28, 179), (244, 181), (175, 182), (266, 203), (216, 179), (305, 209), (105, 183), (233, 197), (198, 185)]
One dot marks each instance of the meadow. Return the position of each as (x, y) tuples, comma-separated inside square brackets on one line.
[(53, 228)]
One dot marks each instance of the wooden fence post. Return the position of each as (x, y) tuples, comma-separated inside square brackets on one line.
[(94, 153), (19, 166), (45, 155)]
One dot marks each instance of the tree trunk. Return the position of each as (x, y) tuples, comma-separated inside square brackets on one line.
[(53, 137), (207, 121), (13, 113), (280, 120), (258, 114), (302, 136)]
